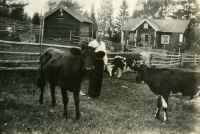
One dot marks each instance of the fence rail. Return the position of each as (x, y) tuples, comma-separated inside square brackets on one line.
[(23, 55), (30, 60), (19, 61)]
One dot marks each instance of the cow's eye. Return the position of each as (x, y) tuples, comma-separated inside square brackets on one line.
[(83, 56)]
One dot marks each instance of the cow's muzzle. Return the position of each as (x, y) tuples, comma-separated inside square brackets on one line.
[(87, 68)]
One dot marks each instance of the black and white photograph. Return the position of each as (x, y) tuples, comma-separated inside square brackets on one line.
[(99, 66)]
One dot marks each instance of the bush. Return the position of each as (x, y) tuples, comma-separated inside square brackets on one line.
[(116, 37)]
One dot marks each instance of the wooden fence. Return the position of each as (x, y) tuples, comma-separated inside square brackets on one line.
[(84, 38), (162, 58), (25, 56), (78, 39)]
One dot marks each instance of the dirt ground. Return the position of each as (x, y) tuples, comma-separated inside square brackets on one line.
[(126, 107)]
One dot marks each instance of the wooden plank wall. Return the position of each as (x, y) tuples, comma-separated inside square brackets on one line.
[(57, 26), (84, 31)]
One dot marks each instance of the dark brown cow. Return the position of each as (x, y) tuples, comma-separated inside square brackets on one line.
[(162, 81), (66, 70)]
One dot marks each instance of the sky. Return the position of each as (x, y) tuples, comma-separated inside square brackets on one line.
[(37, 5)]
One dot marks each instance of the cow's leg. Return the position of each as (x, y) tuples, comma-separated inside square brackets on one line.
[(52, 88), (164, 100), (41, 84), (41, 95), (65, 101), (109, 70), (119, 73), (113, 71), (159, 103), (76, 101)]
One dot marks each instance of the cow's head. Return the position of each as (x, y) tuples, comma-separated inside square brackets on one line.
[(138, 61), (87, 56), (140, 69), (119, 62)]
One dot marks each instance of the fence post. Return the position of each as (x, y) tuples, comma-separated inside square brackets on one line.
[(170, 61), (14, 27), (92, 33), (182, 59), (195, 59), (162, 58), (70, 35), (31, 28)]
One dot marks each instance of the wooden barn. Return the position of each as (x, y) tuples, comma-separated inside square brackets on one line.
[(62, 22), (155, 33)]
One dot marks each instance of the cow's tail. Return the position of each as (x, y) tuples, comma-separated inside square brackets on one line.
[(41, 82)]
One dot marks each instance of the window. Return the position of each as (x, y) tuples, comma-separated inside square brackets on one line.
[(61, 12), (145, 25), (165, 39), (181, 38)]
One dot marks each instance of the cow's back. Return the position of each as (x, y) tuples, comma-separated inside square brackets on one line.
[(186, 82), (51, 61), (71, 72), (172, 79)]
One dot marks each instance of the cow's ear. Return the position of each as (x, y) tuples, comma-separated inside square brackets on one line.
[(75, 51), (100, 54)]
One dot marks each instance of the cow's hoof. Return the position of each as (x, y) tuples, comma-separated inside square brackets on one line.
[(53, 104), (66, 118), (41, 102), (65, 115), (78, 116), (165, 121), (156, 117)]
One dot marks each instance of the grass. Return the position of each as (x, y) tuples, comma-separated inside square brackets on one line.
[(126, 107)]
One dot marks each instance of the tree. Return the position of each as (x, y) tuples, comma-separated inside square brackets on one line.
[(27, 18), (181, 9), (17, 14), (86, 14), (36, 19), (189, 9), (105, 15), (94, 25), (151, 9), (74, 4), (123, 14), (4, 11)]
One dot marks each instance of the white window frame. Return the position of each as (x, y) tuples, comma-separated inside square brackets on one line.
[(165, 39)]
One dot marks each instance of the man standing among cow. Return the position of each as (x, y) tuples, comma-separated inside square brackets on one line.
[(96, 76)]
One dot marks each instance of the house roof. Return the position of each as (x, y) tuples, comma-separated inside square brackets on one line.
[(72, 12), (163, 25)]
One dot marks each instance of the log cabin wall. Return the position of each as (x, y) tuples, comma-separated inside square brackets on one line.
[(84, 31), (59, 26)]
